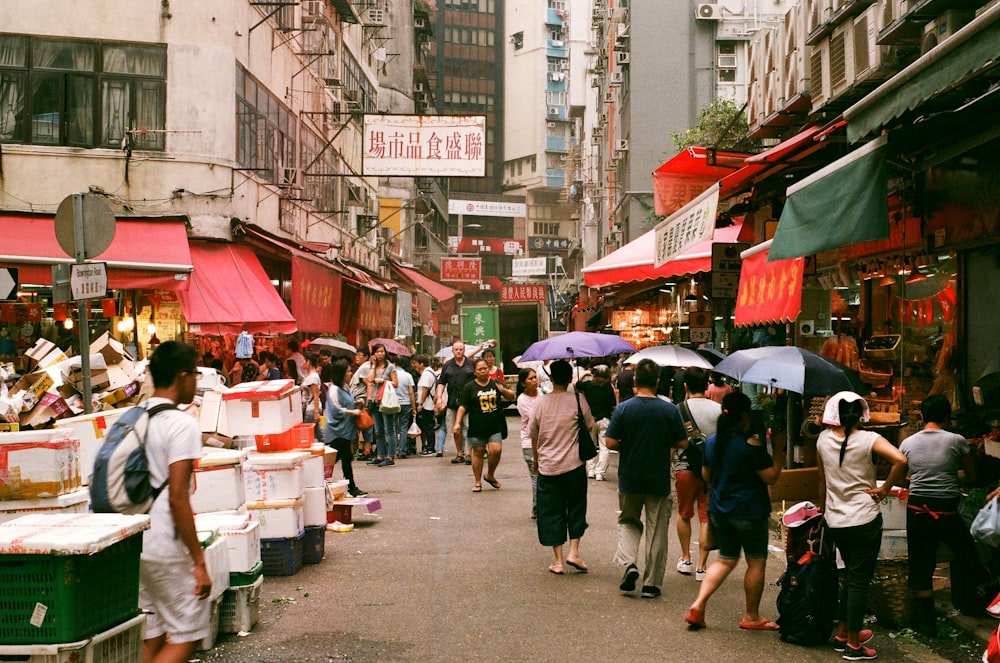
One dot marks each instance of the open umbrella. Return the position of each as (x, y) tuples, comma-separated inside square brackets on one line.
[(447, 353), (391, 346), (340, 348), (711, 354), (790, 368), (670, 355), (577, 344)]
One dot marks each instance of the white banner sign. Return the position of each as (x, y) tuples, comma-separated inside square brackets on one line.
[(693, 223), (528, 267), (425, 145), (487, 208)]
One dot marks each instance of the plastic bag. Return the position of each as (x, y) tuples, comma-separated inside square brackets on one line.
[(414, 430), (389, 403), (986, 525)]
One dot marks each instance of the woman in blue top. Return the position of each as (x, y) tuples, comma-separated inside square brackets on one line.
[(341, 430), (738, 470)]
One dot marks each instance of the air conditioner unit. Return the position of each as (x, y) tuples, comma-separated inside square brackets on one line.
[(313, 9), (420, 23), (708, 12), (795, 73), (375, 17), (371, 206), (602, 120), (621, 145), (756, 52), (616, 79), (609, 97), (553, 110), (622, 58), (331, 80), (621, 44), (819, 73), (873, 62), (943, 27), (807, 327), (888, 12), (817, 14), (556, 43), (841, 59)]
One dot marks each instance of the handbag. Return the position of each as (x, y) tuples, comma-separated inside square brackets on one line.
[(986, 525), (584, 441), (364, 420), (389, 403)]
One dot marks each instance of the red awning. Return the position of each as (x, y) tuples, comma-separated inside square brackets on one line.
[(360, 277), (634, 261), (315, 296), (436, 290), (770, 161), (230, 292), (686, 175), (146, 254), (769, 291)]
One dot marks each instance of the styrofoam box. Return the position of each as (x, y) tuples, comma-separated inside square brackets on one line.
[(242, 537), (217, 561), (90, 429), (274, 476), (42, 463), (278, 520), (258, 408), (121, 643), (218, 481), (208, 412), (314, 506), (337, 489), (313, 468), (76, 502), (893, 510), (893, 544)]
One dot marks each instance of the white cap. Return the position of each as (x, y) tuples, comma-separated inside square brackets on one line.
[(831, 413)]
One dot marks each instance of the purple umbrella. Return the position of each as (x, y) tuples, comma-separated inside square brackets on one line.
[(577, 344), (391, 346)]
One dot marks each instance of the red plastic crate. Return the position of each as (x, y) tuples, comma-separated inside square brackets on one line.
[(299, 436)]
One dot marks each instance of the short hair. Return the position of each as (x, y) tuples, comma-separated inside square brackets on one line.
[(421, 358), (338, 371), (326, 373), (647, 373), (437, 362), (561, 372), (490, 352), (583, 362), (936, 409), (293, 345), (312, 358), (363, 350), (696, 379), (325, 352), (170, 359)]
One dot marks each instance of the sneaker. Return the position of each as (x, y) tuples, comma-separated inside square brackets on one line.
[(699, 574), (650, 592), (628, 580), (598, 477), (591, 476), (387, 462), (468, 460), (685, 567), (439, 454), (864, 637), (356, 492), (375, 461), (862, 653)]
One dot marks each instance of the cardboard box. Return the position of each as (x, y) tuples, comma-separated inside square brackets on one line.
[(796, 485), (120, 376), (41, 348), (112, 351), (51, 406), (73, 372), (31, 387), (113, 396), (90, 429)]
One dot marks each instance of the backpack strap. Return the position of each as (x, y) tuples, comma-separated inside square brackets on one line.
[(151, 412), (689, 422)]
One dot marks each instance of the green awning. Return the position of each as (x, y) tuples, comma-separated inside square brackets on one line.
[(844, 203), (966, 52)]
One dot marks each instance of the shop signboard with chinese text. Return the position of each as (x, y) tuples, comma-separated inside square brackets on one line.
[(536, 243), (691, 224), (479, 324), (461, 269), (700, 326), (498, 245), (424, 145), (513, 293), (487, 208), (529, 267), (726, 266), (88, 280)]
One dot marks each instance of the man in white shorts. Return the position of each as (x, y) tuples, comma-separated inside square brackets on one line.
[(174, 583)]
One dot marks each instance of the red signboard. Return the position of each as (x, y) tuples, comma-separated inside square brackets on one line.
[(522, 293), (769, 291), (497, 245), (315, 297), (461, 269)]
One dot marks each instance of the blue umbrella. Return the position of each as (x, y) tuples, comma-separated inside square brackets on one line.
[(786, 367), (573, 345)]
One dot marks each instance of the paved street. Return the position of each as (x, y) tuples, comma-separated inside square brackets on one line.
[(443, 574)]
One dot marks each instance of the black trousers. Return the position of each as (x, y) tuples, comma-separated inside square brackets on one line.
[(562, 506), (344, 455)]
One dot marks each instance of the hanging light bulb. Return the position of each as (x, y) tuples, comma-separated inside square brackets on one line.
[(122, 326), (129, 323), (68, 324)]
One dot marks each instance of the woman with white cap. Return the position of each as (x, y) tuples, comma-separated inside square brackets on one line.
[(846, 457)]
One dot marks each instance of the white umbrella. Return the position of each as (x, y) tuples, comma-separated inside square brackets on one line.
[(341, 348), (670, 355)]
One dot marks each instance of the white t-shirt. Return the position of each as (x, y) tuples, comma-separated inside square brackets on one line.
[(308, 404), (172, 436), (525, 404), (404, 380), (427, 380), (358, 387), (847, 505), (705, 413)]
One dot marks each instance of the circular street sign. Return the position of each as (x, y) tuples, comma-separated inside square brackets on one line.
[(98, 226)]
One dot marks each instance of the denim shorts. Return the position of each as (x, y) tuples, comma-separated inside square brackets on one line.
[(496, 438), (732, 536)]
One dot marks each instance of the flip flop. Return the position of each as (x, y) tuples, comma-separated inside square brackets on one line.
[(764, 624), (477, 489), (493, 482), (578, 565), (557, 569), (696, 619)]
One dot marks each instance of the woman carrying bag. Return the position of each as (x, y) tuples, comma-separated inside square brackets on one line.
[(382, 376), (341, 430)]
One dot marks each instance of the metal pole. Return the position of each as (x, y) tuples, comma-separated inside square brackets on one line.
[(82, 317)]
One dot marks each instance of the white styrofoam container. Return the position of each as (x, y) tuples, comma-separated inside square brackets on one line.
[(314, 506), (90, 429), (278, 520), (893, 510), (42, 463), (218, 488), (313, 470), (76, 502), (257, 408), (242, 537), (67, 534), (208, 412), (240, 610), (893, 544), (274, 476), (217, 561)]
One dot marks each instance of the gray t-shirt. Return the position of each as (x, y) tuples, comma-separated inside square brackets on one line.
[(935, 457)]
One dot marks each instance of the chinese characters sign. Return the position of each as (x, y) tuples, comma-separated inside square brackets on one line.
[(522, 293), (487, 208), (529, 267), (505, 246), (479, 324), (425, 145), (461, 269), (548, 243), (769, 291), (693, 223)]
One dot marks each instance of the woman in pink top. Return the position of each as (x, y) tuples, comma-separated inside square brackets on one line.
[(562, 476)]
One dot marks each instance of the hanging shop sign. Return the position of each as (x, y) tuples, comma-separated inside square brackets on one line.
[(693, 223), (487, 208), (498, 245), (461, 269), (88, 280), (528, 267), (726, 266), (424, 145), (522, 293)]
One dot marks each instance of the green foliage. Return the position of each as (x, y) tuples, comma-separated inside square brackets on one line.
[(721, 124)]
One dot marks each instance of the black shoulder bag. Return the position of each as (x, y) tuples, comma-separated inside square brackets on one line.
[(584, 441)]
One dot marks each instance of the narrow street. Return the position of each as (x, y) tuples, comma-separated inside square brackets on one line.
[(444, 574)]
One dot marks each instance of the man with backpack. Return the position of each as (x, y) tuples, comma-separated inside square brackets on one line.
[(700, 415), (174, 582)]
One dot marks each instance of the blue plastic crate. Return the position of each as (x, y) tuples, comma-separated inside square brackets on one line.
[(314, 545), (282, 557)]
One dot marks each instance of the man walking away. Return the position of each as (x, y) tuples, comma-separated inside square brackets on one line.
[(644, 429)]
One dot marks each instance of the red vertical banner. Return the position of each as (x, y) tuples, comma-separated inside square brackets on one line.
[(60, 311), (769, 291), (108, 307)]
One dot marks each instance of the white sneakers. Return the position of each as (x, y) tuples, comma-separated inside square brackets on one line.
[(699, 575), (685, 567), (599, 477)]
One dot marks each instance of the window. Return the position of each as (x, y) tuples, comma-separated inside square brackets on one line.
[(555, 97), (82, 93), (544, 228), (557, 4), (726, 61), (265, 129)]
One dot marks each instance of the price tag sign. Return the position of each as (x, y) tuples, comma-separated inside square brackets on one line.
[(88, 280)]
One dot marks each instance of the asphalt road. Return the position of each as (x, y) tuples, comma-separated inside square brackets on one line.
[(444, 574)]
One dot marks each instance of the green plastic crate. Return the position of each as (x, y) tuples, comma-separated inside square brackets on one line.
[(242, 579), (80, 594)]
